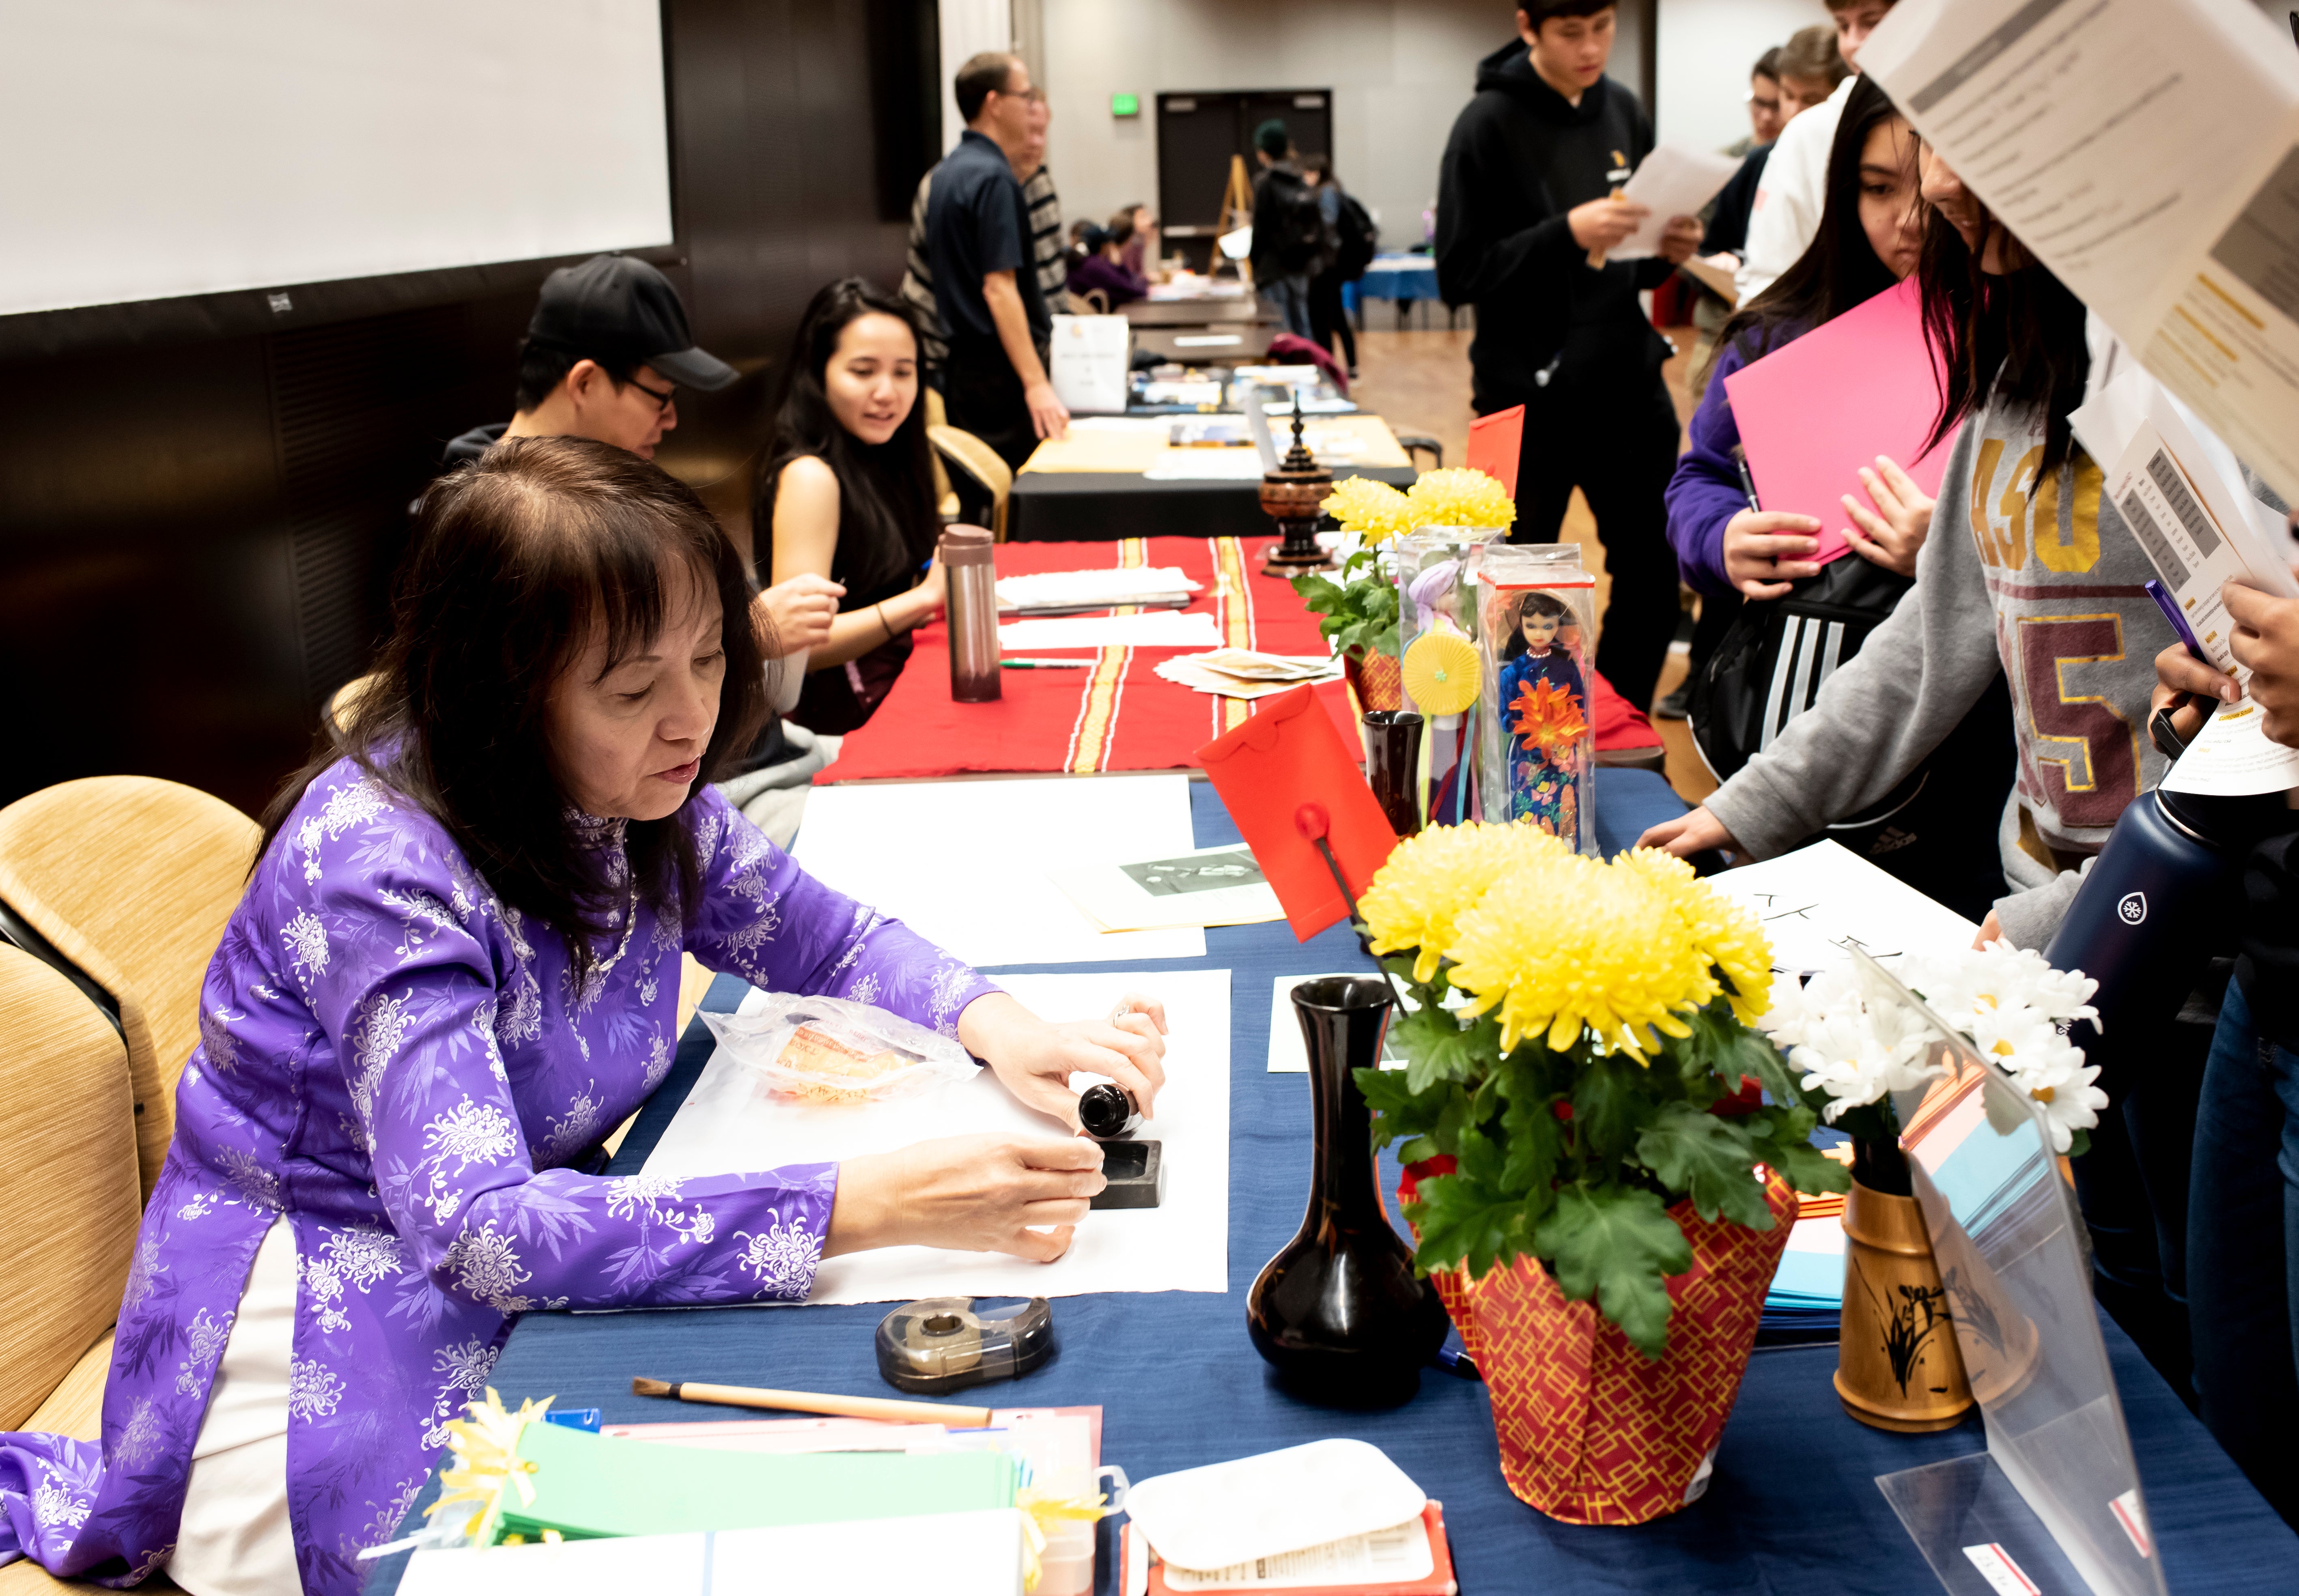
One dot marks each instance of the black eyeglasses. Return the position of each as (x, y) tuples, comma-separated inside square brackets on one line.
[(662, 398)]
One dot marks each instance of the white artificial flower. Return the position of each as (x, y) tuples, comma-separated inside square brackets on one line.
[(1797, 1010), (1856, 1056), (2062, 1088)]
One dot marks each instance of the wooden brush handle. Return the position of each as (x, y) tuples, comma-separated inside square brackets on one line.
[(844, 1407)]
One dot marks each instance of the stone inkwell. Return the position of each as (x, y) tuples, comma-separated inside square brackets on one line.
[(1135, 1171), (1291, 496)]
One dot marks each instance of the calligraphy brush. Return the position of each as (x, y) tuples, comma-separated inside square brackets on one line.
[(814, 1402)]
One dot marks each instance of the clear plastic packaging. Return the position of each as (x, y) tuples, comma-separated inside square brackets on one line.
[(1537, 737), (833, 1050), (1437, 659)]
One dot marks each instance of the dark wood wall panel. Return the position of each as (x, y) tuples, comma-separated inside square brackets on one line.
[(196, 533)]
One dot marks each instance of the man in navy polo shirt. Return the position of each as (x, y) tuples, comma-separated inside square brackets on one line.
[(985, 279)]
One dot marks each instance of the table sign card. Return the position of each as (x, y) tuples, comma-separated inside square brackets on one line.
[(2056, 1489)]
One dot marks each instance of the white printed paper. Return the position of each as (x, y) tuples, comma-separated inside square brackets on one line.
[(1088, 363), (728, 1124), (1386, 1556), (2148, 151), (2233, 757), (1672, 181), (2000, 1573), (1206, 464), (963, 864), (1168, 629), (1814, 901), (1102, 587), (1205, 886)]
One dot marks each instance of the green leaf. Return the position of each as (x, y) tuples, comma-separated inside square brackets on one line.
[(1618, 1245), (1399, 1111), (1439, 1047), (1611, 1102), (1536, 1145), (1708, 1159), (1805, 1167), (1464, 1222)]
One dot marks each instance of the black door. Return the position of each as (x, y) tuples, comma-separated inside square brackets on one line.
[(1198, 134)]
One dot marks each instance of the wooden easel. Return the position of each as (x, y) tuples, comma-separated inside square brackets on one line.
[(1236, 212)]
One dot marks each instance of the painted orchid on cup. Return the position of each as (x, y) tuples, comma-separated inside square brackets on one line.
[(1856, 1046)]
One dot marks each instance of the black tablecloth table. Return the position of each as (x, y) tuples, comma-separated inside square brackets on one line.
[(1793, 1509), (1086, 506)]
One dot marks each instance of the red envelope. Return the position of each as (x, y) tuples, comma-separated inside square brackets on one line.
[(1288, 755), (1494, 442)]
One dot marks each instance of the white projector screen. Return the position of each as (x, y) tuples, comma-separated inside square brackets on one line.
[(166, 147)]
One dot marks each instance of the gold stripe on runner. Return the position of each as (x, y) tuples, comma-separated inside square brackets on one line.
[(1237, 622), (1104, 695)]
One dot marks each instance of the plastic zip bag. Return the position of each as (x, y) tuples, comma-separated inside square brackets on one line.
[(835, 1050), (1536, 609)]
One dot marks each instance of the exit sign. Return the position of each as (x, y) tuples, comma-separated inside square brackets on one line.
[(1125, 105)]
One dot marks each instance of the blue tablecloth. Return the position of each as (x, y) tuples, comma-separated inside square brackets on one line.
[(1794, 1507), (1393, 277)]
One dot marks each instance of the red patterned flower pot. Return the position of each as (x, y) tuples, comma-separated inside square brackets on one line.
[(1592, 1431)]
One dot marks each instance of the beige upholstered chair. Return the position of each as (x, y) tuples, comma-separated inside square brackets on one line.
[(982, 468), (68, 1151), (131, 878), (938, 415), (342, 708)]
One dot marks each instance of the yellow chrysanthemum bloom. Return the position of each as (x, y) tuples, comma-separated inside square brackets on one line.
[(1559, 945), (1724, 931), (1431, 879), (1372, 509), (1460, 497)]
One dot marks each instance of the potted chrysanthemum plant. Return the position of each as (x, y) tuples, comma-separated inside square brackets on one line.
[(1602, 1153), (1857, 1043)]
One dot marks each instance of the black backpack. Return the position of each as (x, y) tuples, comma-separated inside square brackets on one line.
[(1302, 246), (1355, 237), (1936, 830)]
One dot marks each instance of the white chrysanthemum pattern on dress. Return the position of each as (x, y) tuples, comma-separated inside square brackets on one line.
[(782, 1259), (313, 1391), (470, 1133)]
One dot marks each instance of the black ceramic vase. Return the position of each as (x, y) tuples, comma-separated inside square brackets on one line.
[(1339, 1311)]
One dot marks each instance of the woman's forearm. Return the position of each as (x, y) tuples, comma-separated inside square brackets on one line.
[(858, 631)]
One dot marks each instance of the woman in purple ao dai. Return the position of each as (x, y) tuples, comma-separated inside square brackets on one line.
[(455, 968)]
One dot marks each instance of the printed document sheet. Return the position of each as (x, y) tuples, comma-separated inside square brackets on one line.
[(964, 864), (2148, 151)]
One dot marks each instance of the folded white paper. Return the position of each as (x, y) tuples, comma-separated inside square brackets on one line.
[(1109, 586), (1277, 1502), (1163, 629)]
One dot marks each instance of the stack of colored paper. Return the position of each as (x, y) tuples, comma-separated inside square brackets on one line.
[(589, 1486), (1807, 1289)]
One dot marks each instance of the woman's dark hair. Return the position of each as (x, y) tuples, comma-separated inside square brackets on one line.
[(1119, 230), (2015, 336), (1840, 269), (1535, 604), (886, 521), (518, 560)]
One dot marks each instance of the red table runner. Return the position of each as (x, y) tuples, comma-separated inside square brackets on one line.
[(1118, 714)]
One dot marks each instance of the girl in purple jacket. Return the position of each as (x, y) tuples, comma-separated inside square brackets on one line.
[(1870, 234)]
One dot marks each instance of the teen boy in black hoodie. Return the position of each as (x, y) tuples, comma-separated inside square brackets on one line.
[(1526, 195)]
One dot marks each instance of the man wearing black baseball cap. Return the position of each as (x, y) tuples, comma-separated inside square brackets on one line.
[(605, 354)]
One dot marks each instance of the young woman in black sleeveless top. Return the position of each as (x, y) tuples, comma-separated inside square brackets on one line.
[(847, 493)]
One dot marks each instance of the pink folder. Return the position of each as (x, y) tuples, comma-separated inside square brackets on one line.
[(1814, 411)]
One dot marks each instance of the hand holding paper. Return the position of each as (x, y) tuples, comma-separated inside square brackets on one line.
[(1673, 181)]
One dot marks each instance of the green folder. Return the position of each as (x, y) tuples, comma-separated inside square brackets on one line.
[(588, 1487)]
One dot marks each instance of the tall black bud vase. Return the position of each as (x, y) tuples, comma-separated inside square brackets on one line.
[(1339, 1311)]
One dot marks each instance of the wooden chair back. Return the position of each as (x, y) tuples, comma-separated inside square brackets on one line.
[(981, 467), (938, 415), (67, 1162), (132, 879)]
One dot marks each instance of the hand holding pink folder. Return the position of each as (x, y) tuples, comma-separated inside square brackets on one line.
[(1813, 412)]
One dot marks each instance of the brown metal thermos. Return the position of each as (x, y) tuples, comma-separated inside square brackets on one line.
[(969, 566)]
